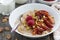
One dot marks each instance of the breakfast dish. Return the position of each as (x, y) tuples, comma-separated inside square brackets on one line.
[(48, 0), (36, 22)]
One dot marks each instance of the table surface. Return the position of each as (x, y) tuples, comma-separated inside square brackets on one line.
[(16, 36)]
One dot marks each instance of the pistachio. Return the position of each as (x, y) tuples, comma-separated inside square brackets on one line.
[(8, 36), (4, 20), (7, 28), (1, 29)]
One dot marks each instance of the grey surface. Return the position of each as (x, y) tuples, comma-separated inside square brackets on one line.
[(58, 0)]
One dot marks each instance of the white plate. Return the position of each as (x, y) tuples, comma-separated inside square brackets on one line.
[(22, 9)]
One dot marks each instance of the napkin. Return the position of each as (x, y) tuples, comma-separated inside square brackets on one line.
[(56, 34)]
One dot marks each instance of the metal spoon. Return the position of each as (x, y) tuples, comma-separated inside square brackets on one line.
[(16, 26)]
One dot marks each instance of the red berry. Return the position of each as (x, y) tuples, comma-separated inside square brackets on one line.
[(29, 18), (45, 27), (40, 29), (37, 13), (35, 31), (30, 22), (48, 23)]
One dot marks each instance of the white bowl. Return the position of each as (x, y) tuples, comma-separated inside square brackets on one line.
[(22, 9), (47, 2)]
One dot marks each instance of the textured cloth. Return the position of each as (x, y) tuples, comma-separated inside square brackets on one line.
[(56, 34)]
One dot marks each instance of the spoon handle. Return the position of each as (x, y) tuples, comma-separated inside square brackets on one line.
[(13, 29)]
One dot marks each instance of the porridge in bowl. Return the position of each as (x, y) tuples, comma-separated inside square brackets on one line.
[(37, 22)]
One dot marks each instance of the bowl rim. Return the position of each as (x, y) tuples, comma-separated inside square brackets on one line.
[(49, 1), (38, 35)]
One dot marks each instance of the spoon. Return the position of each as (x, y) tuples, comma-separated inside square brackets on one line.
[(16, 26)]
